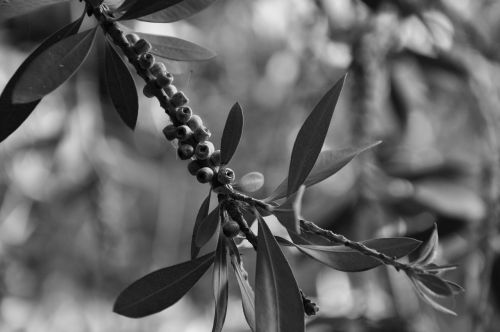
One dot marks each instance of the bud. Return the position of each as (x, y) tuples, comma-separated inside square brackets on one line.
[(194, 166), (149, 89), (183, 114), (146, 60), (195, 122), (133, 38), (170, 132), (204, 150), (201, 134), (165, 79), (215, 158), (158, 69), (142, 46), (231, 229), (225, 175), (179, 99), (185, 151), (170, 90), (204, 174)]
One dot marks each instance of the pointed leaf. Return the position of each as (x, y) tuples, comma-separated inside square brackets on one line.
[(175, 10), (278, 301), (12, 8), (424, 295), (329, 162), (311, 137), (288, 213), (349, 260), (53, 67), (427, 251), (435, 284), (208, 227), (177, 49), (161, 289), (310, 238), (247, 294), (221, 285), (121, 87), (13, 115), (250, 182), (202, 214), (231, 134)]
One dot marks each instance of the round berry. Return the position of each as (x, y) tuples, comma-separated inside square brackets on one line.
[(204, 174), (170, 132), (142, 46), (231, 229), (179, 99), (183, 114), (133, 38), (204, 150), (215, 158), (146, 60), (185, 151), (193, 167), (195, 122), (158, 69), (170, 90), (165, 79), (201, 134), (183, 133), (225, 175), (149, 89)]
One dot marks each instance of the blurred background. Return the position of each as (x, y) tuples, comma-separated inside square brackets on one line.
[(87, 206)]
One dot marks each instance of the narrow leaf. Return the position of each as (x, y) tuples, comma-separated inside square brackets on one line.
[(221, 285), (12, 8), (435, 284), (329, 162), (424, 295), (53, 67), (277, 298), (311, 137), (121, 87), (161, 289), (208, 227), (426, 252), (288, 213), (231, 134), (202, 214), (179, 10), (247, 294), (349, 260), (250, 182), (13, 115), (177, 49)]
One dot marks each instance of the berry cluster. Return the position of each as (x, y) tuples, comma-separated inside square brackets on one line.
[(187, 128)]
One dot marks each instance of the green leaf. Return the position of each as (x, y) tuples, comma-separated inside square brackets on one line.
[(221, 285), (177, 10), (200, 217), (435, 284), (12, 8), (177, 49), (53, 67), (161, 289), (247, 294), (311, 137), (349, 260), (121, 87), (231, 134), (13, 115), (329, 162), (250, 182), (427, 251), (288, 213), (278, 301), (208, 227)]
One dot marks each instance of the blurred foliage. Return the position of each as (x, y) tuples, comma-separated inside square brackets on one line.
[(87, 206)]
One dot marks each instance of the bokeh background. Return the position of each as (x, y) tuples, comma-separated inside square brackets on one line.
[(87, 206)]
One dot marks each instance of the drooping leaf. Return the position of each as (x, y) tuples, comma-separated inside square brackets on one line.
[(121, 87), (425, 295), (435, 284), (247, 294), (311, 137), (208, 227), (329, 162), (349, 260), (231, 134), (162, 288), (177, 49), (12, 8), (221, 285), (250, 182), (288, 214), (175, 10), (426, 252), (13, 115), (278, 301), (200, 217), (53, 67), (455, 288)]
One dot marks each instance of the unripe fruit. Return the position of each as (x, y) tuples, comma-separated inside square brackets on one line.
[(149, 89), (158, 69), (193, 167), (195, 122), (170, 132), (170, 90), (204, 174), (164, 80), (215, 158), (231, 229), (201, 134), (204, 150), (179, 99), (133, 38), (142, 46), (185, 151), (183, 114), (183, 133), (225, 175), (146, 60)]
